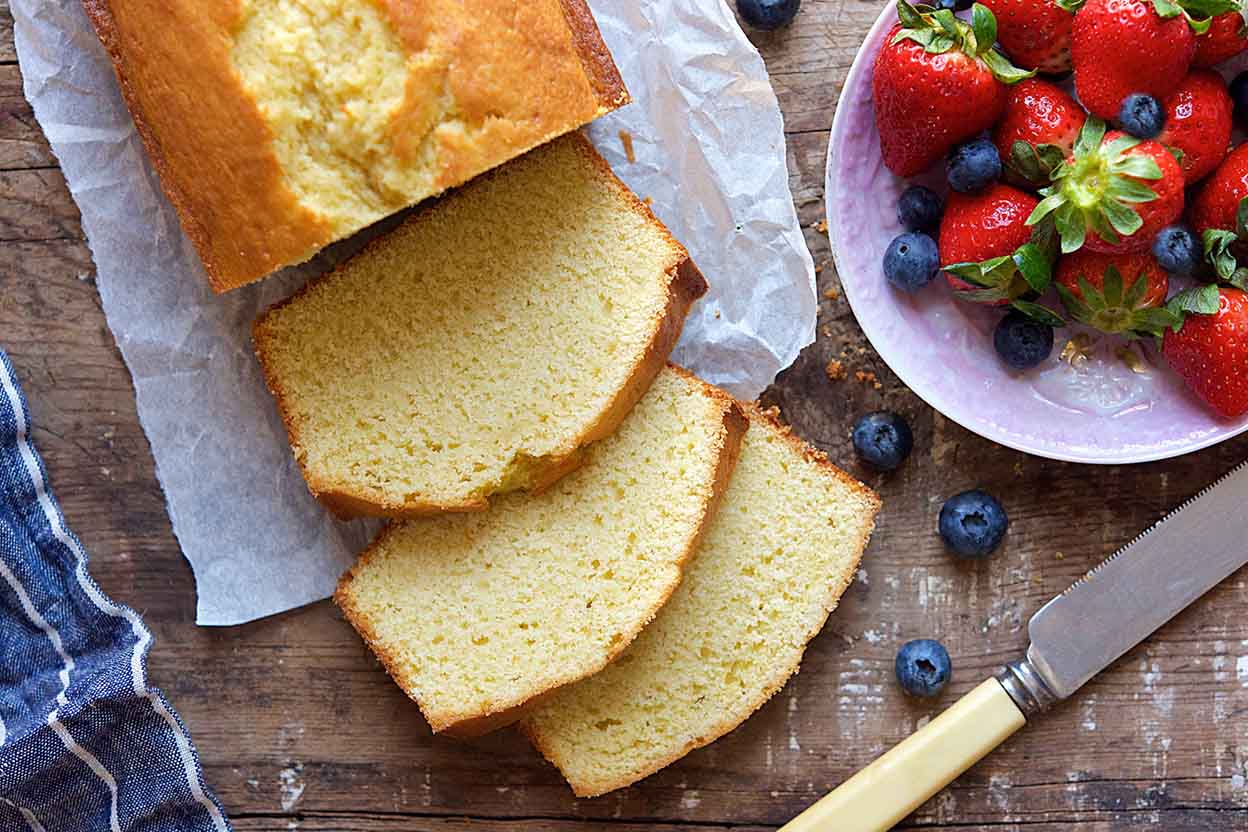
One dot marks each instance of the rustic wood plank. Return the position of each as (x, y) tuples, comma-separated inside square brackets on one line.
[(298, 727), (7, 53)]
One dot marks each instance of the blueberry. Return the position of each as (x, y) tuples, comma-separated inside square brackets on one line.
[(768, 14), (1177, 250), (972, 524), (919, 209), (1022, 342), (973, 166), (911, 261), (953, 5), (923, 667), (1141, 115), (883, 439), (1239, 95)]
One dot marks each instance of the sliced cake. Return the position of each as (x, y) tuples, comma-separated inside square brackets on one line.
[(477, 347), (775, 560), (278, 127), (477, 615)]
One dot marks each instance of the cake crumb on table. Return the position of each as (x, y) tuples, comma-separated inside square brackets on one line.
[(831, 294), (626, 138), (822, 226), (867, 377), (835, 370)]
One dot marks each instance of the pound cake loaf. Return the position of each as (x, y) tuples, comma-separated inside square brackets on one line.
[(277, 127), (775, 560), (476, 348), (477, 615)]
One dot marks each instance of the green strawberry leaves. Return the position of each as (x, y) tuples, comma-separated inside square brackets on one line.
[(1221, 246), (1038, 313), (1198, 300), (940, 30), (1014, 278), (1071, 6), (1095, 189), (1116, 307), (1035, 163), (1199, 13)]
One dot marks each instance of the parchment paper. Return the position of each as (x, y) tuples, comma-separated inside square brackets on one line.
[(709, 151)]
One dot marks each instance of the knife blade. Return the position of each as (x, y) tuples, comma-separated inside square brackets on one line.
[(1140, 587), (1073, 637)]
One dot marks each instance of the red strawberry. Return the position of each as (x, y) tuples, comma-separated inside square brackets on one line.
[(933, 89), (1116, 293), (1035, 34), (1218, 201), (1114, 193), (980, 235), (1210, 353), (1226, 38), (1123, 46), (1198, 123), (1038, 113)]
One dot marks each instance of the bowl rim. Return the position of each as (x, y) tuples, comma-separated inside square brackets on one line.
[(860, 66)]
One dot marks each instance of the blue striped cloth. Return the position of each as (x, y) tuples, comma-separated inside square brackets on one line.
[(86, 745)]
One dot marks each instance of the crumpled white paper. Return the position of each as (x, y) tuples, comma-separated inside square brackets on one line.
[(709, 151)]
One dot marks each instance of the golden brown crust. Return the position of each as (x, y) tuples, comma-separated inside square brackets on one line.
[(214, 151), (685, 285), (600, 69), (735, 424), (781, 674)]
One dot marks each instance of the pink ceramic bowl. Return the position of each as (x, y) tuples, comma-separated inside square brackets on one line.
[(1102, 408)]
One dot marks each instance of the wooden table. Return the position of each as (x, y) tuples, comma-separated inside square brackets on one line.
[(298, 727)]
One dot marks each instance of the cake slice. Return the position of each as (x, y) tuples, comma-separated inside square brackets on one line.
[(477, 347), (477, 615), (775, 560), (278, 127)]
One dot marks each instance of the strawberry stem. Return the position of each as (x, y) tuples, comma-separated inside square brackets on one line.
[(1093, 191), (939, 31)]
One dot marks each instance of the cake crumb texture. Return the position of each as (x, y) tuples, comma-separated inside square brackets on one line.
[(477, 347), (279, 126), (475, 615), (782, 548)]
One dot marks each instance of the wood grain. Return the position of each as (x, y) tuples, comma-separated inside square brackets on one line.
[(298, 728)]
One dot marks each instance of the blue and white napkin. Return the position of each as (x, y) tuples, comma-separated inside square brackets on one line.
[(86, 745)]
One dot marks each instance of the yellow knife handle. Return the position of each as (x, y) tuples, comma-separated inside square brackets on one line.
[(896, 784)]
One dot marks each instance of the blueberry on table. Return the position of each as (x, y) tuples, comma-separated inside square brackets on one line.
[(1141, 115), (919, 208), (973, 166), (1177, 250), (1022, 341), (953, 5), (911, 261), (768, 14), (1239, 97), (972, 524), (883, 439), (923, 667)]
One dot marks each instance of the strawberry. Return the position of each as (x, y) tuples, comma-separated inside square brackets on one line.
[(1123, 46), (990, 254), (1226, 38), (1046, 120), (1113, 193), (1216, 204), (1115, 293), (1035, 34), (1198, 123), (1209, 350), (937, 82)]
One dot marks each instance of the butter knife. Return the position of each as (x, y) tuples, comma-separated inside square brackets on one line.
[(1073, 637)]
